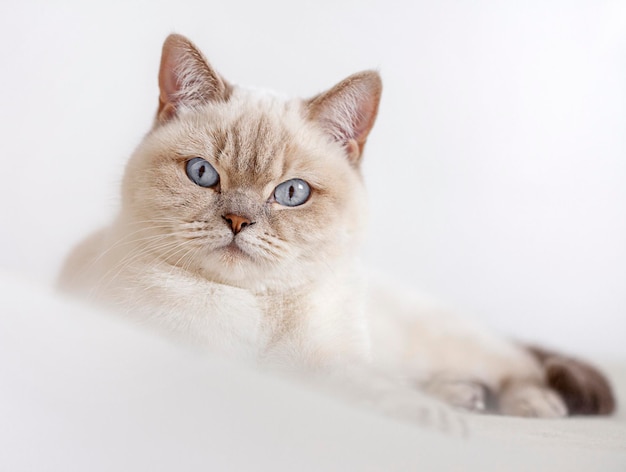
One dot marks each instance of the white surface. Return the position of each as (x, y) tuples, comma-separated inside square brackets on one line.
[(83, 391), (496, 169)]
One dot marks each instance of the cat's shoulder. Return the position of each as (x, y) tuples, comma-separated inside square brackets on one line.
[(80, 258)]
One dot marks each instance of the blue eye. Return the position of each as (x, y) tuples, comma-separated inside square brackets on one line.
[(202, 173), (292, 193)]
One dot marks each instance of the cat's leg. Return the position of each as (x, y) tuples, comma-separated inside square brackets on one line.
[(583, 388), (568, 386), (565, 386), (394, 396), (515, 397), (428, 343)]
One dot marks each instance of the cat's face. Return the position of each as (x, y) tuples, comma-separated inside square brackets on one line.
[(246, 188)]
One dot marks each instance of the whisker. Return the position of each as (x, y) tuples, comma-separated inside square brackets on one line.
[(130, 258)]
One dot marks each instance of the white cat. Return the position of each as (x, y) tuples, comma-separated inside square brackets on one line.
[(239, 228)]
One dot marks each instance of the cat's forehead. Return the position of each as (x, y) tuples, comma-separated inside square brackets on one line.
[(253, 138), (255, 135)]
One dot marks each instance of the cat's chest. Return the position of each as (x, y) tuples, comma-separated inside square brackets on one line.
[(310, 325), (314, 325)]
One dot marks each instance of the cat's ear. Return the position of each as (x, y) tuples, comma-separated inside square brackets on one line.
[(186, 80), (348, 110)]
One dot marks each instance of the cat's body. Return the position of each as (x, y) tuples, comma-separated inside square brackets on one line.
[(239, 229)]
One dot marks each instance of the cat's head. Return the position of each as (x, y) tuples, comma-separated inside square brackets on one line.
[(244, 187)]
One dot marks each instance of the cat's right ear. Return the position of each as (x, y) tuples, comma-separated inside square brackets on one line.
[(186, 80)]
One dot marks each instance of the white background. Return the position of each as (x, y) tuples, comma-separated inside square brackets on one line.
[(497, 167)]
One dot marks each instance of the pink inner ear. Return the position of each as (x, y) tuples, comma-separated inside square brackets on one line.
[(346, 118), (348, 111)]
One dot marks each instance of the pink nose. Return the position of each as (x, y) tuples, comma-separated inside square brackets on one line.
[(236, 222)]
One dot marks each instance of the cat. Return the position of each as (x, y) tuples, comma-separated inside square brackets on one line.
[(239, 229)]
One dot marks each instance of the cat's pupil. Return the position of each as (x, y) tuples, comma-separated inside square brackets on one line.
[(292, 190), (201, 171)]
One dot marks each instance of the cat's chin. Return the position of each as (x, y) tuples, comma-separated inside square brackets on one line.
[(233, 252), (233, 265)]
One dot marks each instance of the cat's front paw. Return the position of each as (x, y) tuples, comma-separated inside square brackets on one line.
[(411, 405), (464, 394), (531, 401)]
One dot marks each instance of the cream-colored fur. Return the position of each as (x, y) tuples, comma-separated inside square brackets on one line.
[(287, 290)]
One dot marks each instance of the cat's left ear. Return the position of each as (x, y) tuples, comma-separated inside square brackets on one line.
[(186, 79), (347, 111)]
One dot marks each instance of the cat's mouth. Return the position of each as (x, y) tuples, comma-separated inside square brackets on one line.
[(233, 249)]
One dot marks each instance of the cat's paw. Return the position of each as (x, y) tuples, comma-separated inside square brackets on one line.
[(392, 396), (531, 401), (411, 405), (464, 394)]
